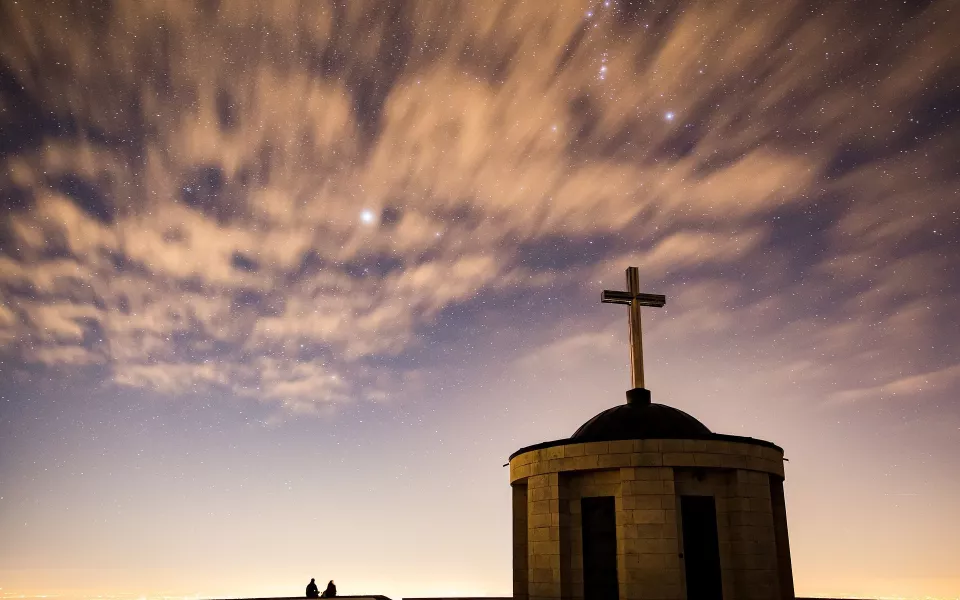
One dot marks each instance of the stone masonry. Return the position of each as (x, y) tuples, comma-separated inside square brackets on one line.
[(646, 479)]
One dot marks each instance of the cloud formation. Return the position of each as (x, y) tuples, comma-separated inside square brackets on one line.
[(184, 184)]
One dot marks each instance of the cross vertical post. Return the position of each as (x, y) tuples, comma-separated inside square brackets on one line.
[(634, 299), (636, 337)]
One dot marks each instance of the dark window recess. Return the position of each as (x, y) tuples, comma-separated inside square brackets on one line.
[(599, 527), (701, 548)]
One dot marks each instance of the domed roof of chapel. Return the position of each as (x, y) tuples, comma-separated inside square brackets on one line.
[(640, 420)]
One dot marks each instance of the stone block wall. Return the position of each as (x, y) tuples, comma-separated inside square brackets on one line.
[(753, 551), (647, 535), (784, 563), (646, 478), (543, 536)]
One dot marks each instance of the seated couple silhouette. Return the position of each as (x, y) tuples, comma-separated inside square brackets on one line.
[(314, 592)]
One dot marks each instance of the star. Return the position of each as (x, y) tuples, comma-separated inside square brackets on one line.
[(367, 216)]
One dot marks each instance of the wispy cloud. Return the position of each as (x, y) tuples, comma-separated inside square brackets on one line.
[(186, 186)]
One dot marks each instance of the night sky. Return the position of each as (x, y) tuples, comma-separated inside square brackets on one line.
[(283, 286)]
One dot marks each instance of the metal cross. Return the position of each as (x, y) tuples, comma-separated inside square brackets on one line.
[(634, 299)]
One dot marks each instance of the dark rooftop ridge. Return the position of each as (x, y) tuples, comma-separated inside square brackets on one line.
[(641, 419), (720, 437)]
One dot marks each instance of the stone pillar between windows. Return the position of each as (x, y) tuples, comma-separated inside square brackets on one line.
[(647, 535), (543, 537)]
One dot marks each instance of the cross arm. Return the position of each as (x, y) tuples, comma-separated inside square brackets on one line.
[(657, 300), (618, 297), (615, 297)]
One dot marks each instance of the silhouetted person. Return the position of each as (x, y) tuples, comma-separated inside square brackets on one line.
[(312, 590), (331, 591)]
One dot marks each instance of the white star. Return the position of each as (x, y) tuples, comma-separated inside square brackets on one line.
[(367, 216)]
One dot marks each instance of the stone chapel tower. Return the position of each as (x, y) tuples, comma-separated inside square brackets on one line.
[(644, 502)]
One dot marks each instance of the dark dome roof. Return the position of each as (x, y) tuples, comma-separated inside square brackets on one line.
[(640, 420)]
